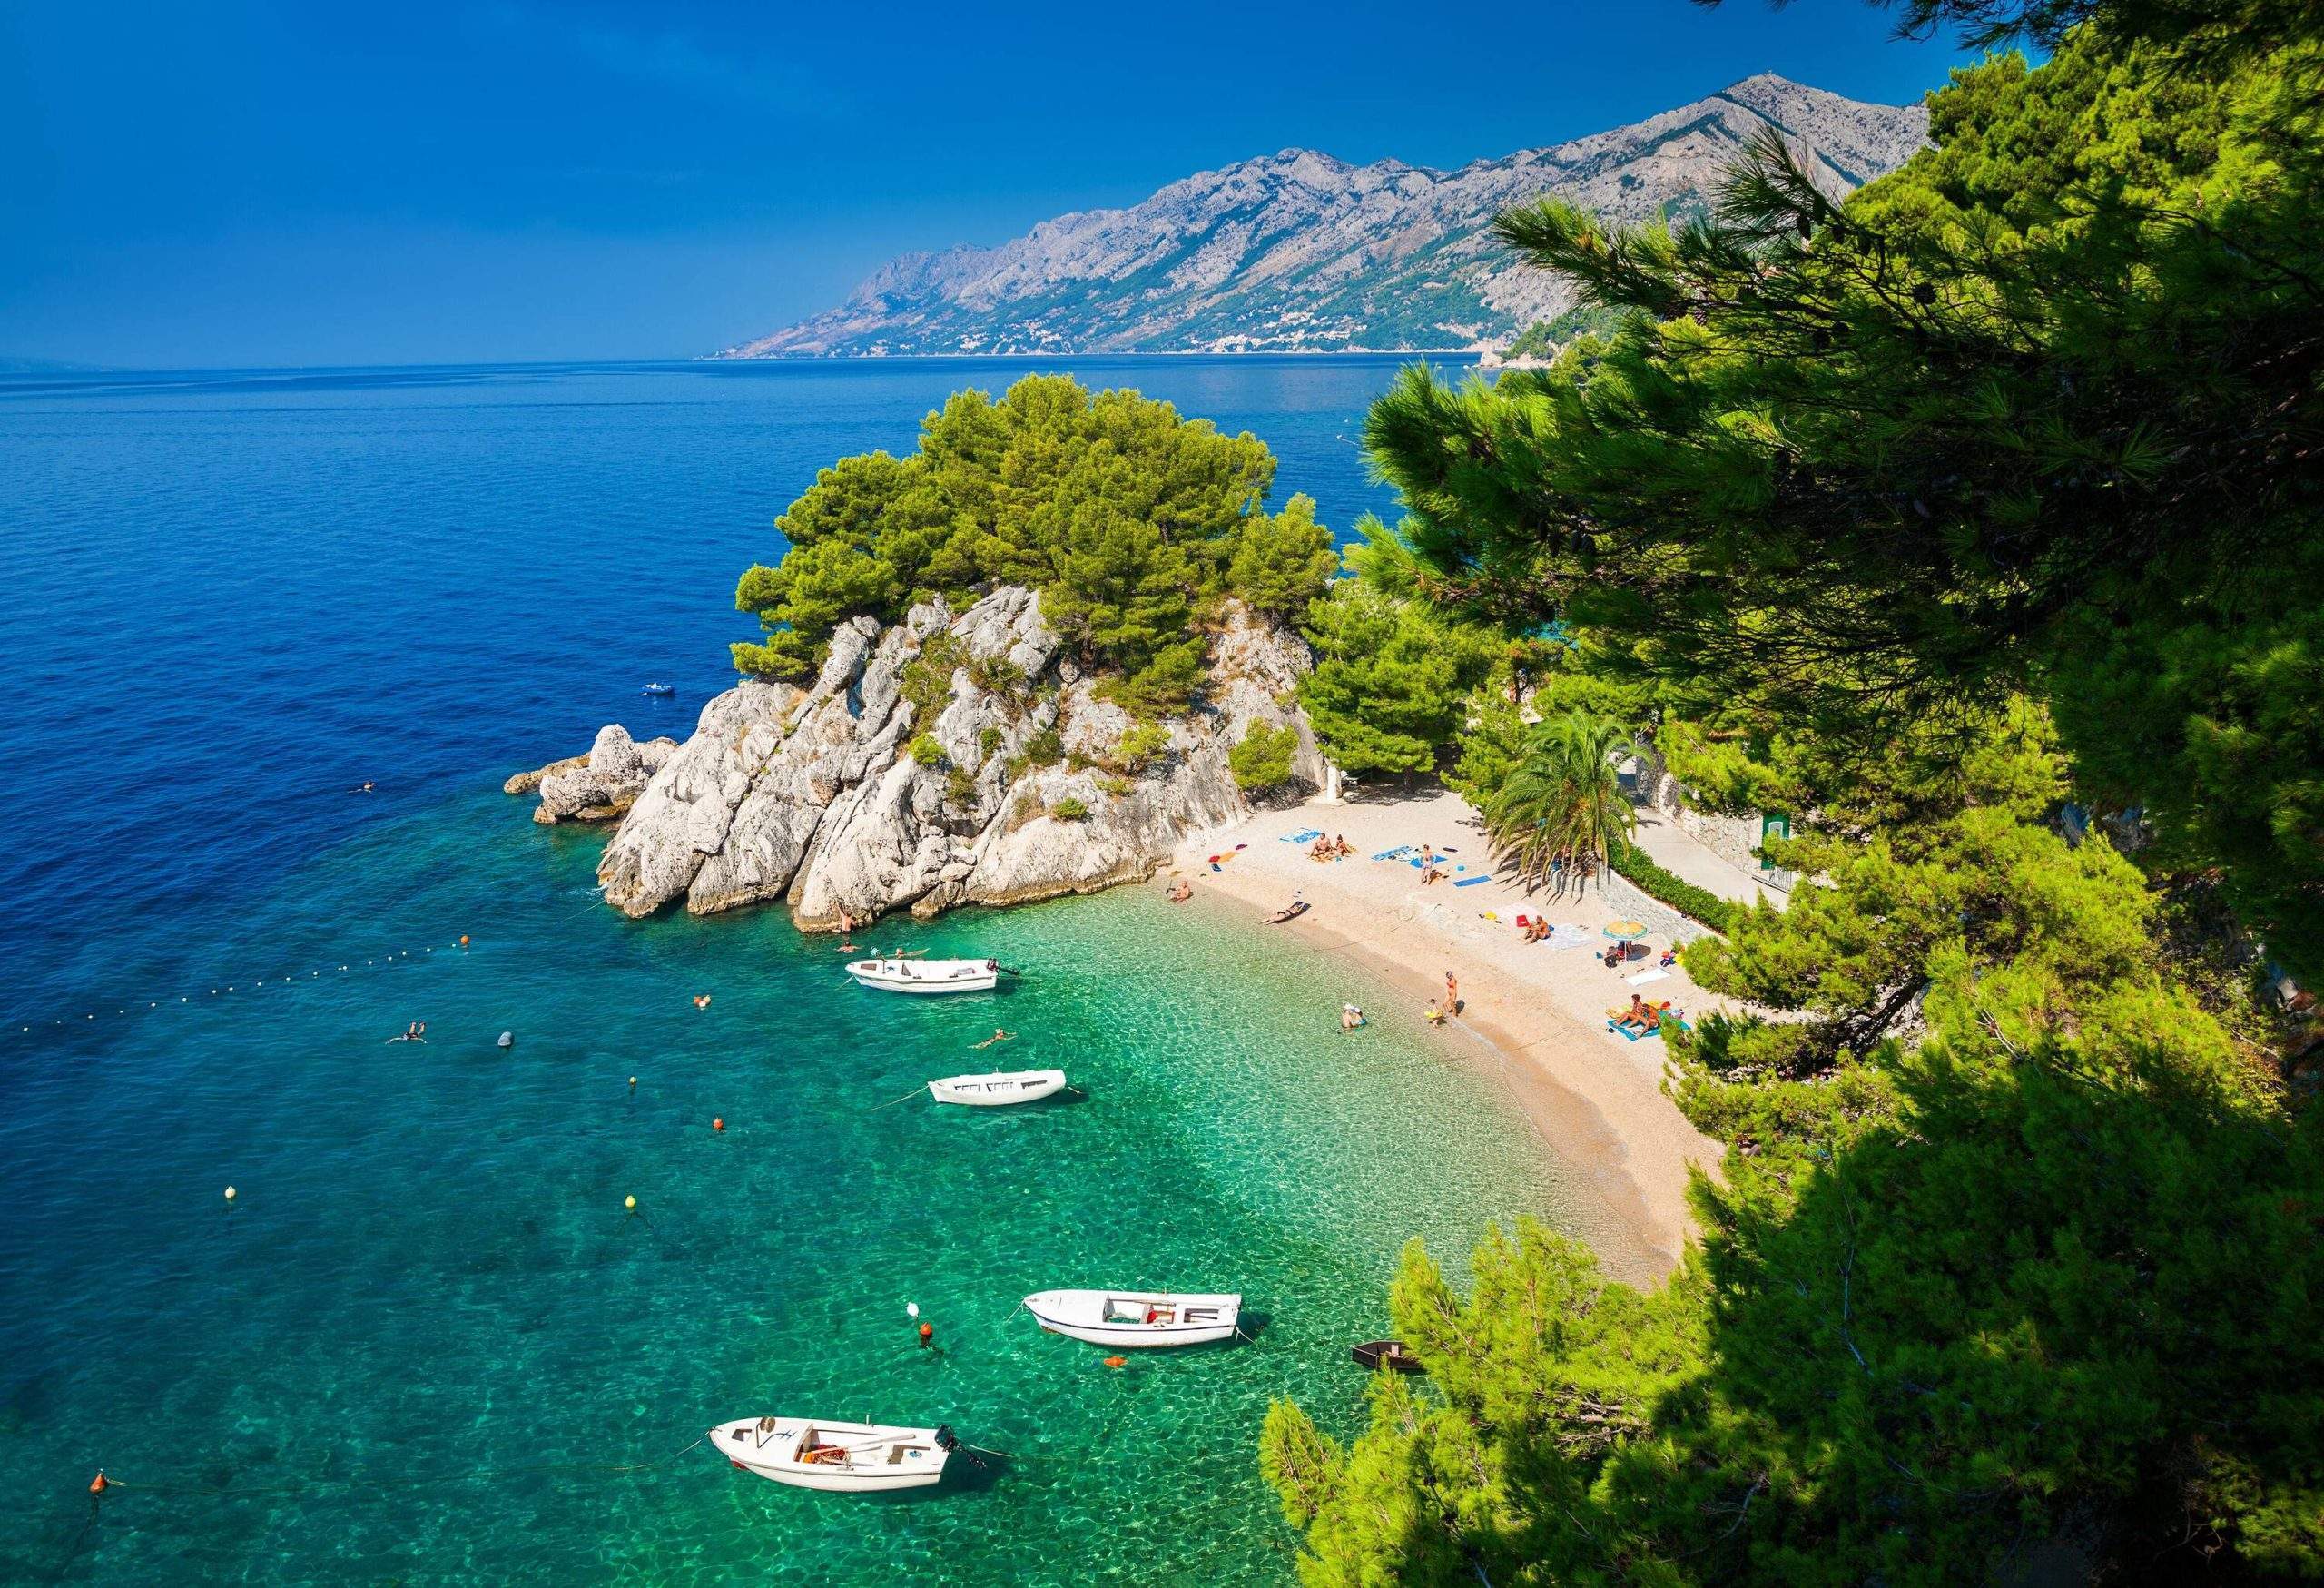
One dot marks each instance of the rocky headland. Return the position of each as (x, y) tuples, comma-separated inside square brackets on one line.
[(946, 759)]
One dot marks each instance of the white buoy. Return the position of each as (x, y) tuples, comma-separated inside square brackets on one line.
[(633, 1080), (508, 1040), (229, 1193), (911, 1309)]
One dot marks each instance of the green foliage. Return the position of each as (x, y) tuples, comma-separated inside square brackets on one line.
[(989, 740), (1070, 809), (1046, 748), (1545, 337), (1283, 561), (1905, 509), (2033, 413), (1389, 679), (1561, 805), (1130, 520), (1633, 864), (1141, 744), (1718, 768), (959, 788), (926, 680), (1261, 761), (926, 751)]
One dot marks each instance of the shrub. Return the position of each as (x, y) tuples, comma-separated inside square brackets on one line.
[(1116, 786), (927, 679), (1046, 748), (1631, 865), (927, 751), (1263, 760), (959, 788), (1069, 809), (1141, 745), (989, 741)]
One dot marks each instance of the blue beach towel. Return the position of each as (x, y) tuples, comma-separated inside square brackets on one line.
[(1309, 837), (1470, 881), (1398, 853)]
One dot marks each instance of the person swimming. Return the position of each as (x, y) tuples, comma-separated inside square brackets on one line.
[(997, 1036), (1351, 1018)]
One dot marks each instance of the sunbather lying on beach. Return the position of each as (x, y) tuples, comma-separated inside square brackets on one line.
[(1181, 890)]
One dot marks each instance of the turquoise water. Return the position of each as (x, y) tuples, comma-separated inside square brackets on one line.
[(427, 1343)]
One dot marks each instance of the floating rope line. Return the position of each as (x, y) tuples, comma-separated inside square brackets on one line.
[(141, 1006), (480, 1475)]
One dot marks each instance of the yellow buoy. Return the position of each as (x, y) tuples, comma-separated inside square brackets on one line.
[(630, 1203), (633, 1080)]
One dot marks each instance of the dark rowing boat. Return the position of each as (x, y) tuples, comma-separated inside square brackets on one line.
[(1371, 1355)]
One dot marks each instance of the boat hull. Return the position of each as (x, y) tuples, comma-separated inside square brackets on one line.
[(926, 976), (865, 1459), (1091, 1316), (999, 1089)]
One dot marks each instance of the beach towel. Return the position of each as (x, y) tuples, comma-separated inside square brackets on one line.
[(1562, 936), (1398, 853), (1470, 881), (1643, 977), (1309, 837)]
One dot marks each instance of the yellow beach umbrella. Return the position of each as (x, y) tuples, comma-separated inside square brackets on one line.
[(1623, 930)]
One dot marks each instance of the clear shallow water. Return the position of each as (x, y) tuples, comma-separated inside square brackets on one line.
[(426, 1332)]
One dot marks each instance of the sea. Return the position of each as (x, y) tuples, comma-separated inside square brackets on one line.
[(470, 1308)]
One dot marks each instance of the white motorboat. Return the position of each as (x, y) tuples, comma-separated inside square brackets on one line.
[(811, 1452), (1135, 1319), (926, 975), (1000, 1087)]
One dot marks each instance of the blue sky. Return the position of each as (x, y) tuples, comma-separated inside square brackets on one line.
[(224, 183)]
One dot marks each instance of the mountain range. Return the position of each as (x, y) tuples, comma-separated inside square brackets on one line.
[(1301, 253)]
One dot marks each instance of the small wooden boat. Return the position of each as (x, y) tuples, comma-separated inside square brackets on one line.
[(1136, 1319), (926, 975), (1291, 912), (810, 1453), (1372, 1355), (999, 1087)]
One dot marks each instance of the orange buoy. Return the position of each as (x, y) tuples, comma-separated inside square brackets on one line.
[(464, 939), (97, 1484), (1117, 1361), (701, 1001), (927, 1333), (718, 1124)]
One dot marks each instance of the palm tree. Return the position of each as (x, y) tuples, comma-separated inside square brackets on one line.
[(1561, 805)]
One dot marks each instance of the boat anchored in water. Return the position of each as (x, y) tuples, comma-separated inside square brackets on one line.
[(997, 1088), (1136, 1319), (926, 975), (658, 688), (811, 1452)]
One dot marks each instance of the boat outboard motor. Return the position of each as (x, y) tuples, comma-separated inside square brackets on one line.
[(950, 1443)]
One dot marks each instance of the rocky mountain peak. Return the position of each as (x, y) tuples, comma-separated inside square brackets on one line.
[(1301, 251)]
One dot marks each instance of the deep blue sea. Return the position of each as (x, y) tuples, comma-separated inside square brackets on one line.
[(427, 1342)]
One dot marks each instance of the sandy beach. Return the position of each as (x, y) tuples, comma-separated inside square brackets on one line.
[(1595, 1096)]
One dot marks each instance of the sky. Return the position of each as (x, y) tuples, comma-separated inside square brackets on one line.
[(231, 184)]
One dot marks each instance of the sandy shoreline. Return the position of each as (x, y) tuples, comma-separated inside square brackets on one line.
[(1595, 1098)]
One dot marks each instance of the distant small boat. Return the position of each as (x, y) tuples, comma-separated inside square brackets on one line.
[(1000, 1087), (1135, 1319), (1371, 1355), (659, 689), (926, 975), (809, 1453)]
